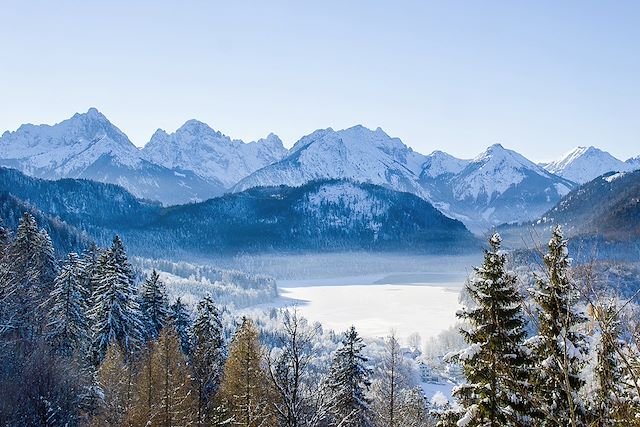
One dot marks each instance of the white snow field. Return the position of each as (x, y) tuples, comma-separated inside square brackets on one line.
[(425, 304)]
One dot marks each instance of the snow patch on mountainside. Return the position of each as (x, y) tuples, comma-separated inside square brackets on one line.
[(611, 178), (349, 196)]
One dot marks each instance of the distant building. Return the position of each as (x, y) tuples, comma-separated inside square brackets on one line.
[(426, 373)]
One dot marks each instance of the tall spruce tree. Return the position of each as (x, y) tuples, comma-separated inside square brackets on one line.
[(560, 345), (115, 312), (182, 321), (348, 381), (87, 266), (154, 305), (31, 272), (495, 364), (4, 239), (5, 285), (68, 327), (207, 358)]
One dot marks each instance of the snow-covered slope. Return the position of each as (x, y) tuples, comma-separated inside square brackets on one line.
[(210, 154), (89, 146), (582, 164), (497, 186), (357, 153)]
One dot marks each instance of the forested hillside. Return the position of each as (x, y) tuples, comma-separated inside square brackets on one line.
[(329, 215)]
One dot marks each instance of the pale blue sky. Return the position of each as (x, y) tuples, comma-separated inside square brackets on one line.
[(537, 76)]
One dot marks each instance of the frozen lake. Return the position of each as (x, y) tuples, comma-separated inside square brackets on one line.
[(422, 303)]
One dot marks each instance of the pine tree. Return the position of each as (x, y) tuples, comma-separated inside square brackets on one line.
[(5, 285), (245, 389), (560, 345), (182, 322), (87, 266), (163, 389), (154, 305), (115, 312), (67, 328), (207, 357), (348, 381), (5, 238), (495, 364), (31, 271)]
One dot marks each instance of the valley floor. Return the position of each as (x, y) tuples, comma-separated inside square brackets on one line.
[(378, 307)]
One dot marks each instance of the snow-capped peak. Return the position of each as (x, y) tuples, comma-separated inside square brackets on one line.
[(212, 155), (439, 163), (68, 147), (633, 163), (582, 164), (355, 153), (496, 154), (493, 172)]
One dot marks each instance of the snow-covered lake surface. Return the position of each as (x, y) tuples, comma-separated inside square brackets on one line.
[(425, 303)]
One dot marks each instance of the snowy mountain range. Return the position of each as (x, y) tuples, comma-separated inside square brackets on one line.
[(89, 146), (196, 163), (498, 186)]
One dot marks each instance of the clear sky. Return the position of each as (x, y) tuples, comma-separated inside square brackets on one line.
[(540, 77)]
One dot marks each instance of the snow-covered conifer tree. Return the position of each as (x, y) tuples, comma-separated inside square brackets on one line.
[(560, 346), (207, 356), (31, 271), (87, 265), (115, 312), (154, 305), (348, 381), (67, 327), (495, 364), (182, 321)]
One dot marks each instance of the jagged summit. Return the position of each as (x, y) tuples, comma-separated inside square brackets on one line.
[(355, 153), (582, 164), (195, 146)]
